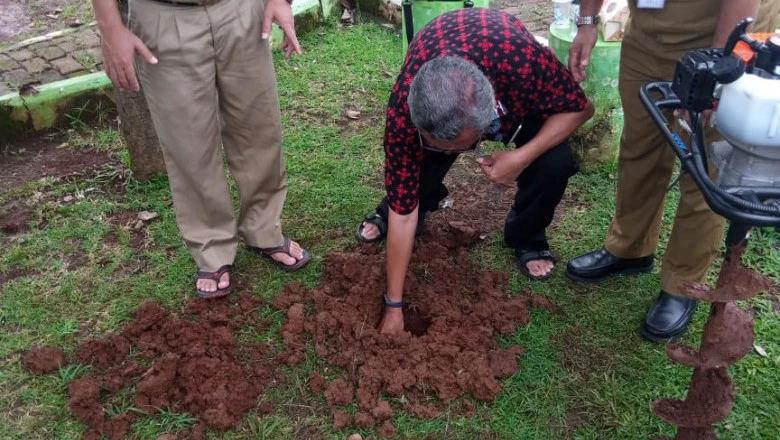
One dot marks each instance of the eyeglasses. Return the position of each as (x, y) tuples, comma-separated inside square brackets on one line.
[(470, 149)]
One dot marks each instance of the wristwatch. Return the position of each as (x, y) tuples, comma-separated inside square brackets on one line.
[(587, 20)]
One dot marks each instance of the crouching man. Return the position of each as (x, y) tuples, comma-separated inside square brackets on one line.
[(471, 75)]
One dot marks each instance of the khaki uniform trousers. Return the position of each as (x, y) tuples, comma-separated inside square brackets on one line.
[(654, 41), (214, 88), (768, 16)]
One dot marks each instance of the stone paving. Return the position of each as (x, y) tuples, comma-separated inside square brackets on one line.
[(77, 52), (40, 62)]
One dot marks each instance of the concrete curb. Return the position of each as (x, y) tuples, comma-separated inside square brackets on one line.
[(43, 106)]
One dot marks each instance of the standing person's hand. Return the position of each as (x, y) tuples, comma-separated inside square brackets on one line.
[(580, 49), (119, 47), (280, 12)]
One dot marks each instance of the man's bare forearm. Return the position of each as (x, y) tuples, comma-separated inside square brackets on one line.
[(731, 13), (590, 7), (400, 240), (107, 14)]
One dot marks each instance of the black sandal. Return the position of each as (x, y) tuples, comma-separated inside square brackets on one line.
[(525, 256), (375, 219), (216, 275)]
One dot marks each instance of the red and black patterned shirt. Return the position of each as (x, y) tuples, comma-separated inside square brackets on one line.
[(526, 77)]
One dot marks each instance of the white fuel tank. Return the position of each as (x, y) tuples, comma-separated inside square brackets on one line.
[(748, 115)]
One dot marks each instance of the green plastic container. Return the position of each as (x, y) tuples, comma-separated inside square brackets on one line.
[(423, 11), (597, 140)]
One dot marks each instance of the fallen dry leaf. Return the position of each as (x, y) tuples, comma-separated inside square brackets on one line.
[(760, 350)]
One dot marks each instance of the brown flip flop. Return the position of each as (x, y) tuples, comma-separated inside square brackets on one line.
[(284, 249)]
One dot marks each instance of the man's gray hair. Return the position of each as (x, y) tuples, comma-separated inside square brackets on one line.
[(448, 95)]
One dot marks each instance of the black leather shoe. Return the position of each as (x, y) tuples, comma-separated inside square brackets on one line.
[(599, 264), (668, 318)]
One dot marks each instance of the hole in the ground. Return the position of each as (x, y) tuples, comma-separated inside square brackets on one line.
[(416, 321)]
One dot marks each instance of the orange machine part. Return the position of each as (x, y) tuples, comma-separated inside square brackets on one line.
[(743, 51)]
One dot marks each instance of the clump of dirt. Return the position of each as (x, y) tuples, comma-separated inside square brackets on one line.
[(449, 350), (316, 382), (43, 360), (84, 403), (103, 353), (388, 430), (192, 362), (341, 419)]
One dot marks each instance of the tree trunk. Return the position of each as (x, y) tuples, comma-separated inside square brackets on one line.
[(137, 128)]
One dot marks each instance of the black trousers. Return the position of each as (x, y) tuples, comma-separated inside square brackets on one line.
[(540, 188)]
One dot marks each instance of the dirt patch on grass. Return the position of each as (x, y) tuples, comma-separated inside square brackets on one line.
[(35, 156), (189, 362), (15, 217), (580, 357), (23, 18), (11, 274), (139, 237), (774, 298), (454, 311)]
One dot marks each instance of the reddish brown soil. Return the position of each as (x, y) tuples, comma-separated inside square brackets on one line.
[(195, 364), (454, 312), (388, 430), (43, 360), (316, 383), (341, 419)]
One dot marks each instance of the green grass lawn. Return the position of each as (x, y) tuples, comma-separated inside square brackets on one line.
[(587, 374)]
